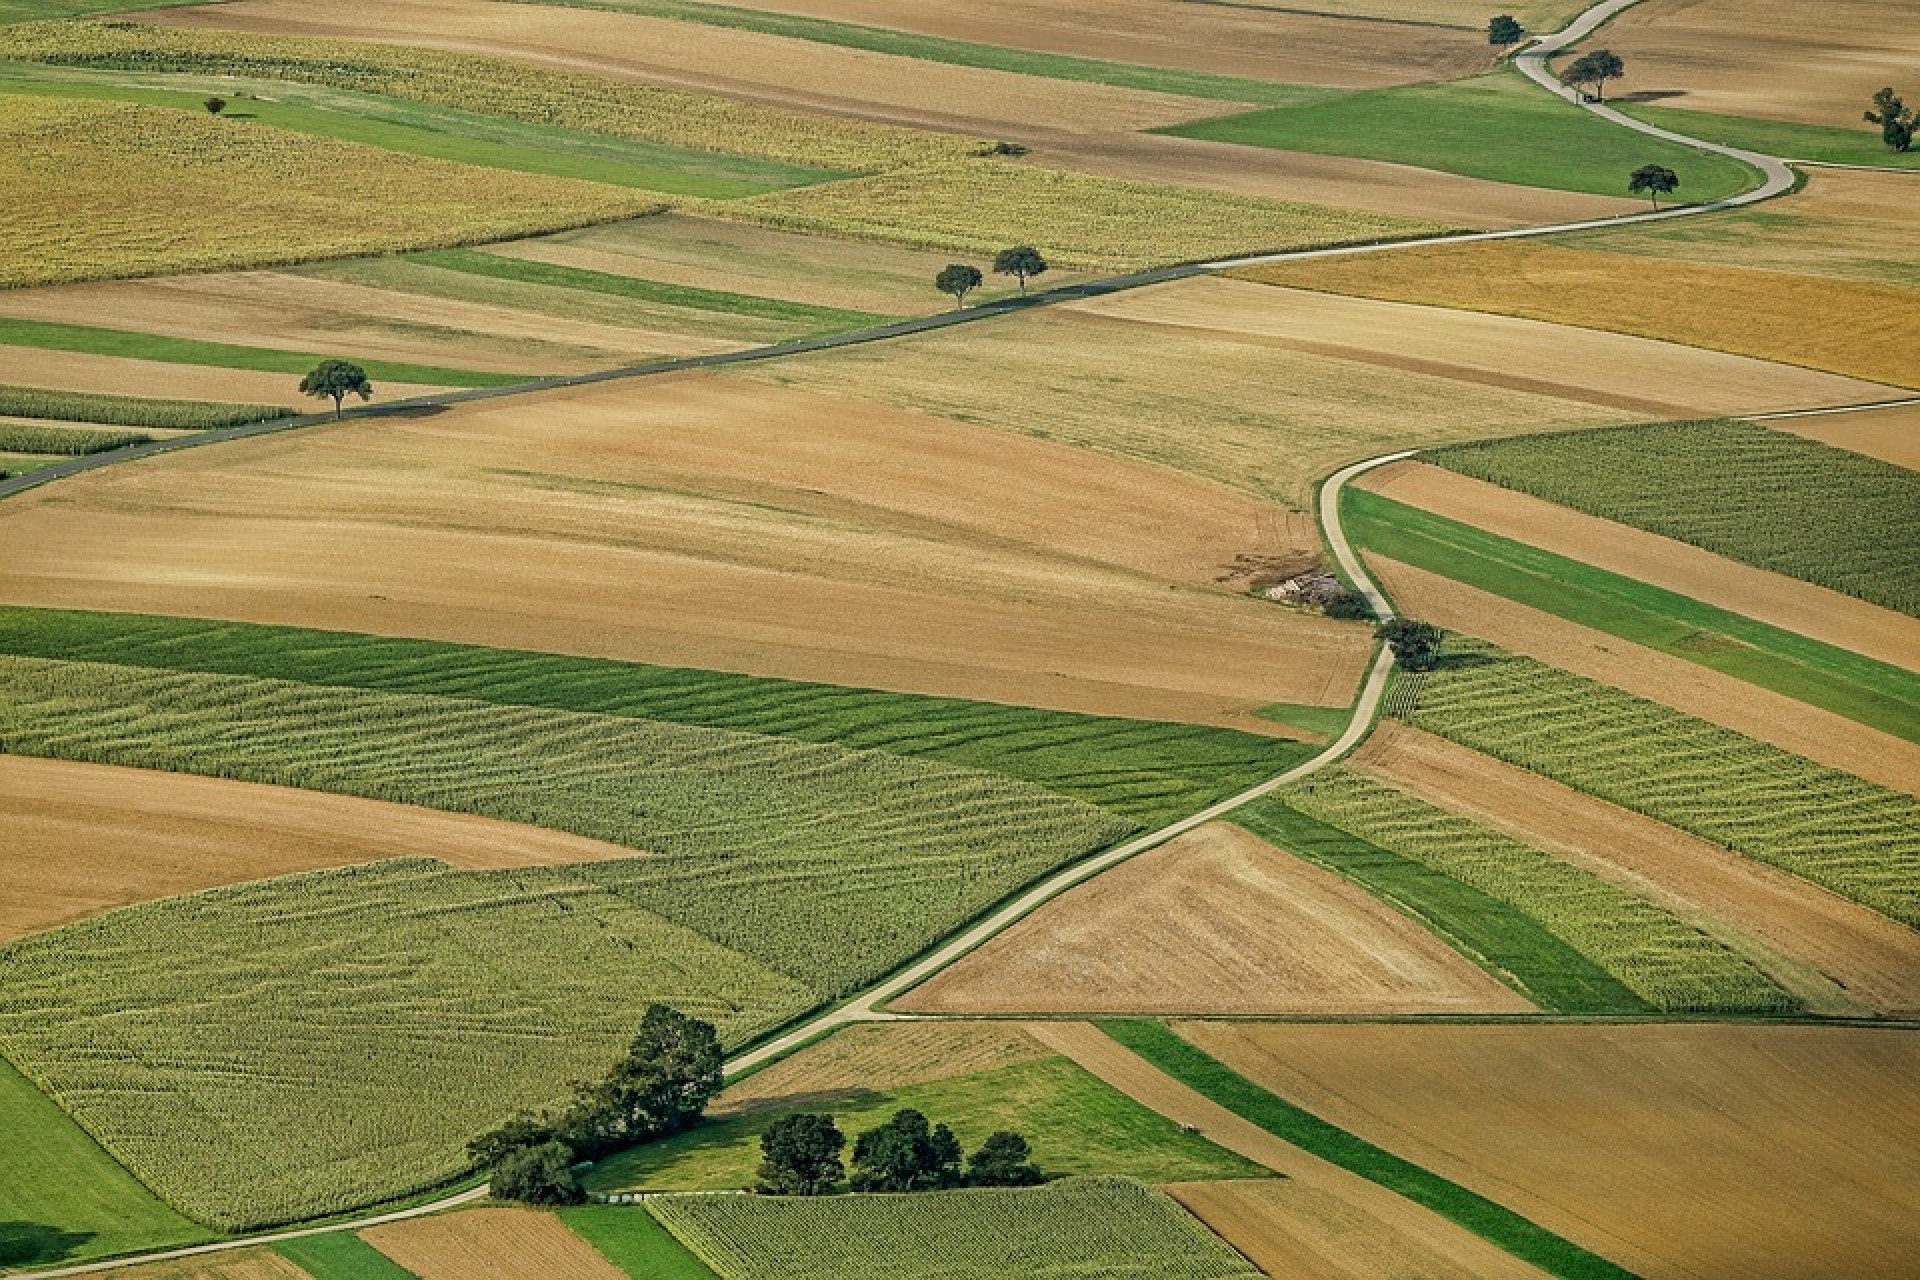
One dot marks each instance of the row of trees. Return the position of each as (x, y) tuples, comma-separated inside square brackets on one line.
[(800, 1156), (1023, 262)]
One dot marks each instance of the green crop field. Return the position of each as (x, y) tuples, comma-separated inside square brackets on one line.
[(131, 411), (1828, 145), (63, 1199), (340, 1255), (1823, 675), (1498, 126), (1077, 1124), (40, 10), (1077, 1229), (1834, 829), (1200, 1071), (20, 437), (1763, 497), (634, 1241), (1666, 962), (1149, 772)]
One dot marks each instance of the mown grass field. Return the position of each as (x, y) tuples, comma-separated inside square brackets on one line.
[(1766, 498), (1498, 127), (1078, 1229), (1850, 836), (1827, 144), (340, 1255), (1822, 675), (131, 411)]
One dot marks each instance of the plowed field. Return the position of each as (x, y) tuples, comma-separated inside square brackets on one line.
[(485, 1244)]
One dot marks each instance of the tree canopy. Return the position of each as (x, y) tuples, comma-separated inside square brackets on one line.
[(1022, 261), (958, 279), (1653, 180), (1004, 1160), (1898, 122), (335, 380), (1593, 70), (905, 1154), (800, 1156), (541, 1174), (1505, 30), (1416, 645)]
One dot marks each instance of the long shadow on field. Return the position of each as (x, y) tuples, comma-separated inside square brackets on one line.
[(24, 1243)]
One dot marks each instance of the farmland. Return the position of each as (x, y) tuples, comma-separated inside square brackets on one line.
[(1834, 829), (1887, 434), (1676, 1150), (1097, 1228), (1794, 507), (469, 1246), (339, 1255)]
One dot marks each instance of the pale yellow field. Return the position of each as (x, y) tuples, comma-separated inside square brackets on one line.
[(122, 376), (237, 1264), (1767, 1153), (172, 191), (1892, 435), (717, 523), (1791, 317), (489, 1244)]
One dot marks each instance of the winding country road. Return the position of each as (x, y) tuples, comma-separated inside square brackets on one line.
[(1777, 176)]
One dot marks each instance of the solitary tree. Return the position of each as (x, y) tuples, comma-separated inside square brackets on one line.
[(1655, 180), (1022, 261), (215, 105), (1415, 644), (538, 1175), (959, 280), (1898, 122), (904, 1154), (1004, 1160), (1594, 70), (670, 1073), (800, 1156), (1505, 30), (335, 380)]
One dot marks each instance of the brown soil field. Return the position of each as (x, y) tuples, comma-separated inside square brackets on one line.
[(1771, 315), (82, 839), (697, 521), (1323, 1209), (1768, 1153), (1891, 435), (1284, 43), (301, 313), (1686, 686), (1768, 597), (1216, 921), (882, 1055), (1765, 58), (737, 64), (117, 375), (238, 1264), (476, 1244), (1839, 957)]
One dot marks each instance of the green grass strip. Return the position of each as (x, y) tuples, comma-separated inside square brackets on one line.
[(1860, 688), (1147, 771), (12, 11), (131, 411), (340, 1255), (633, 1240), (1495, 1223), (961, 53), (47, 335), (1499, 127), (1857, 145), (493, 265), (1507, 942)]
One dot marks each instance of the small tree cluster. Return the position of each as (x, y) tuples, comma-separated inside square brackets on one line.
[(662, 1086), (1023, 262), (800, 1156), (1898, 122), (1505, 30), (1593, 70), (1416, 645)]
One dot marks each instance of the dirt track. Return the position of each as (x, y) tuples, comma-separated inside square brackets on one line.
[(1216, 921)]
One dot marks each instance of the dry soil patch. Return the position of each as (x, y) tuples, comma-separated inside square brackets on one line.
[(1891, 435), (486, 1244), (239, 1264)]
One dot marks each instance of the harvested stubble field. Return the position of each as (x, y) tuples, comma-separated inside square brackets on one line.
[(1665, 961), (195, 193), (1832, 955), (240, 1264), (1076, 1229), (1772, 315), (1759, 496), (78, 377), (1216, 921), (85, 838), (476, 1244), (1891, 435), (1678, 1151), (676, 525), (1834, 829)]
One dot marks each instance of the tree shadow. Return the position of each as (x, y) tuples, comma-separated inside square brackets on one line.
[(1649, 95), (34, 1243)]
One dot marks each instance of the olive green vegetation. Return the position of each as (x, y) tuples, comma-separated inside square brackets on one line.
[(40, 10), (1326, 721), (423, 129), (1766, 498), (633, 1240), (20, 437), (62, 1198), (1499, 937), (48, 335), (811, 318), (14, 464), (1498, 126), (1076, 1123), (131, 411), (1148, 772), (340, 1255), (1198, 1070), (1824, 143), (1874, 693), (963, 53)]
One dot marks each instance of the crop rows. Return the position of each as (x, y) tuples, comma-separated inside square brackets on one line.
[(1760, 496), (267, 1052), (1663, 960), (1860, 840), (130, 411), (16, 437), (1075, 1229)]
